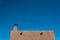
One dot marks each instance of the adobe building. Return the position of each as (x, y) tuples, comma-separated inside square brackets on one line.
[(31, 35)]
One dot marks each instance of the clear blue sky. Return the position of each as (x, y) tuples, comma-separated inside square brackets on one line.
[(29, 15)]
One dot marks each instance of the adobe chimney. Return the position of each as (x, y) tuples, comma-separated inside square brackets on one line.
[(15, 27)]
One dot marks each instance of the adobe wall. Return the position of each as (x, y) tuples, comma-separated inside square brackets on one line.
[(31, 35)]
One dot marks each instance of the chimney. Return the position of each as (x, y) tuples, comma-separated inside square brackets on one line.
[(15, 27)]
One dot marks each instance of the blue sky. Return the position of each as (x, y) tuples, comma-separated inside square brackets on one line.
[(29, 15)]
